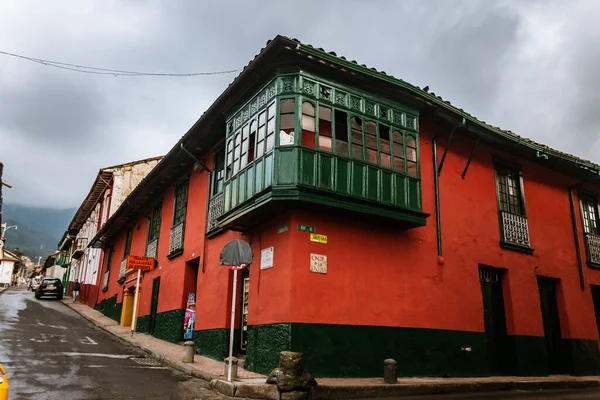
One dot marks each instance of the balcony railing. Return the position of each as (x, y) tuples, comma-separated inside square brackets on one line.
[(151, 248), (593, 247), (176, 239), (515, 229), (80, 245), (215, 210), (123, 268)]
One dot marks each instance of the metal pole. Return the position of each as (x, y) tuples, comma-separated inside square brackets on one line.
[(135, 300), (232, 323)]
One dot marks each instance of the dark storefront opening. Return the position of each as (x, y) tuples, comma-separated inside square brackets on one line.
[(243, 335), (495, 321), (154, 303), (596, 299), (555, 346)]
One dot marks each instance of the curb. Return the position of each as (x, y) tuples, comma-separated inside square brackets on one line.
[(327, 392), (179, 366)]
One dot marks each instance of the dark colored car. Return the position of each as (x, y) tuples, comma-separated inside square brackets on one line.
[(50, 287)]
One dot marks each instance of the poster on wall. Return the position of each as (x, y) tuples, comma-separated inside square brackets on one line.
[(190, 317)]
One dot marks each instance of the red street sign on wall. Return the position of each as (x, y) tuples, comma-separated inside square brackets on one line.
[(140, 262)]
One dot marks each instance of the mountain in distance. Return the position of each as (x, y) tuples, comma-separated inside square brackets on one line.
[(39, 229)]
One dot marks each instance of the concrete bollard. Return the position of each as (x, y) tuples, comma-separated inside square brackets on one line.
[(189, 351), (390, 371), (234, 367)]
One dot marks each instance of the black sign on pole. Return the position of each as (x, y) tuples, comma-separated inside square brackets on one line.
[(236, 252)]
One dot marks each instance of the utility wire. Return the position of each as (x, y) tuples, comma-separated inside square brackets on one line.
[(107, 71)]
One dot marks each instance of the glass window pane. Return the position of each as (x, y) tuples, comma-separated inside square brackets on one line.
[(245, 146), (308, 108), (325, 143), (384, 146), (371, 142), (243, 161), (386, 161), (262, 118), (236, 152), (410, 141), (372, 156), (270, 142), (271, 126), (411, 154), (371, 128), (230, 145), (399, 164), (286, 106), (412, 168), (397, 137), (325, 113), (357, 151), (245, 132), (260, 149), (287, 122), (261, 132), (308, 123), (253, 126), (398, 150), (271, 110)]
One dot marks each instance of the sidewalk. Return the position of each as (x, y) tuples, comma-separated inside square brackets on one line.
[(253, 385), (168, 353)]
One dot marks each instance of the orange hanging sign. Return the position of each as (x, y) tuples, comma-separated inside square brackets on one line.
[(140, 262)]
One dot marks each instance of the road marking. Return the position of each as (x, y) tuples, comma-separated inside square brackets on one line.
[(42, 340), (51, 326), (87, 340), (124, 366), (73, 354)]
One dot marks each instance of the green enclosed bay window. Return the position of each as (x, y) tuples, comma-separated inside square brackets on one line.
[(514, 229), (358, 136), (301, 137), (591, 227)]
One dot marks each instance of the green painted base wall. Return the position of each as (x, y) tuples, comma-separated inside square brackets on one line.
[(110, 308), (265, 342), (143, 324), (213, 343), (585, 357), (529, 358), (169, 325), (359, 351)]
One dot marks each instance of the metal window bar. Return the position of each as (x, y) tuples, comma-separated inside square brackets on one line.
[(123, 268), (489, 275), (176, 238), (152, 248), (105, 283), (515, 229), (593, 245), (215, 210)]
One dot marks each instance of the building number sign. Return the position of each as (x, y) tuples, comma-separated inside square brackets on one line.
[(318, 263)]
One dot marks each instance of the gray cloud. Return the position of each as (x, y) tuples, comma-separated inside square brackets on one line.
[(529, 67)]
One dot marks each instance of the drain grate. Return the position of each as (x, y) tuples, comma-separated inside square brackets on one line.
[(146, 361)]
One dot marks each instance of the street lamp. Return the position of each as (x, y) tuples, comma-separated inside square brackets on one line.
[(5, 228)]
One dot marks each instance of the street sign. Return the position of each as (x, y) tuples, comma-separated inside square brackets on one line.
[(140, 262), (315, 237)]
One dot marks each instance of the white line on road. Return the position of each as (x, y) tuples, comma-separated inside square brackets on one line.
[(72, 354), (87, 340)]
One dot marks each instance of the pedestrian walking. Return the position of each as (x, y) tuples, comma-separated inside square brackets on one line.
[(76, 288)]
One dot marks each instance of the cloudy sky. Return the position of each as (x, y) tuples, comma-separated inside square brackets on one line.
[(528, 66)]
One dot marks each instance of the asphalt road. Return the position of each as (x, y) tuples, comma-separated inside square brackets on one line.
[(50, 352)]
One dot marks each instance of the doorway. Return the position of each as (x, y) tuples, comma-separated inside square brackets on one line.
[(154, 304), (494, 317), (596, 300), (245, 290), (551, 322)]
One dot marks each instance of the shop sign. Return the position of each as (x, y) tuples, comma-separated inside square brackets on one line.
[(266, 258), (140, 262), (318, 263), (315, 237)]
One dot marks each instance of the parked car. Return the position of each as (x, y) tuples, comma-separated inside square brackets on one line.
[(50, 287), (34, 283), (3, 384)]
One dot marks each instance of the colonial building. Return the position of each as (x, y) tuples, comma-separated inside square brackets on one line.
[(385, 223), (111, 187)]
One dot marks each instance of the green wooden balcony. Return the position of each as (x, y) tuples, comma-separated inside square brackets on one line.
[(289, 147)]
